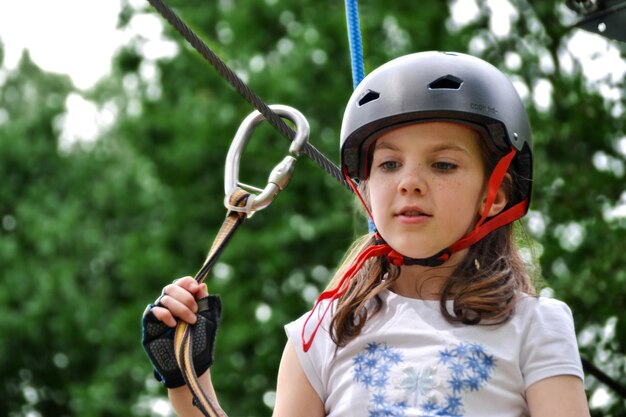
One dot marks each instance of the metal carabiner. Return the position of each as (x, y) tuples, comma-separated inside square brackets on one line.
[(280, 175)]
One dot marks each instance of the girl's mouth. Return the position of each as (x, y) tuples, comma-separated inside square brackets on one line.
[(412, 215)]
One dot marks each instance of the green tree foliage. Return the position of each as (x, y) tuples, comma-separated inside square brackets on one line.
[(91, 234)]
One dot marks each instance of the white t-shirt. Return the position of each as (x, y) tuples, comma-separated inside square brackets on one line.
[(409, 361)]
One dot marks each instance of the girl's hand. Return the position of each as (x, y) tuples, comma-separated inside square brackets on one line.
[(178, 301), (189, 301)]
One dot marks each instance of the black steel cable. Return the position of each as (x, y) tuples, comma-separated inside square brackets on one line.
[(590, 368), (244, 90)]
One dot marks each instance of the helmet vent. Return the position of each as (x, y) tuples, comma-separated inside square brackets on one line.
[(368, 96), (447, 82)]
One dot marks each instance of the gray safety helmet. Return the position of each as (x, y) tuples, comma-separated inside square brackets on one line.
[(430, 86)]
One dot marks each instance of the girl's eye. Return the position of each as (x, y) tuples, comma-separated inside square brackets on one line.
[(444, 166), (388, 165)]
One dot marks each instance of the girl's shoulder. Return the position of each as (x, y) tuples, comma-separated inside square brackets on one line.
[(530, 306), (543, 318), (548, 339), (312, 325)]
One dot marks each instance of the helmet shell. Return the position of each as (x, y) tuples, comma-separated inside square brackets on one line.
[(436, 86)]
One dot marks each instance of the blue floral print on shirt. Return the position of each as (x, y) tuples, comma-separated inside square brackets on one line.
[(394, 388)]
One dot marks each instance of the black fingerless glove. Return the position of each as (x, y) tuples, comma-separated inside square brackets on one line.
[(158, 342)]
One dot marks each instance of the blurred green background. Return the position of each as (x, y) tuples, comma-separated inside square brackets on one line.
[(92, 230)]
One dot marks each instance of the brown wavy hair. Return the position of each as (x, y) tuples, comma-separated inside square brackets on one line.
[(484, 285)]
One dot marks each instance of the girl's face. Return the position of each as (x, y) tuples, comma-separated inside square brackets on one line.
[(426, 186)]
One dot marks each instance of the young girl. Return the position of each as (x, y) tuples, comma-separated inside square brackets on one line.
[(433, 313)]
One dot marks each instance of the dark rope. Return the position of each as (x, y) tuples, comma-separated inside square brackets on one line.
[(245, 91), (590, 368)]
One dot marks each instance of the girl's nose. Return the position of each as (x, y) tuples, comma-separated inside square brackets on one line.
[(412, 182)]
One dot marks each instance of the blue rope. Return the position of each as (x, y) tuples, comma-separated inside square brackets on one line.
[(356, 55), (354, 37)]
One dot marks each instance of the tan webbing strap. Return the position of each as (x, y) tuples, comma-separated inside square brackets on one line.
[(183, 347), (241, 205)]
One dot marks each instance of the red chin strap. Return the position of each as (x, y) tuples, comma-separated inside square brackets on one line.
[(483, 228), (340, 289)]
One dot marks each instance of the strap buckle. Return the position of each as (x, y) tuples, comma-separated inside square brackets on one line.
[(282, 172)]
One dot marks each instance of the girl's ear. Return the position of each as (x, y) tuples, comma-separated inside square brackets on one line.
[(501, 198)]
